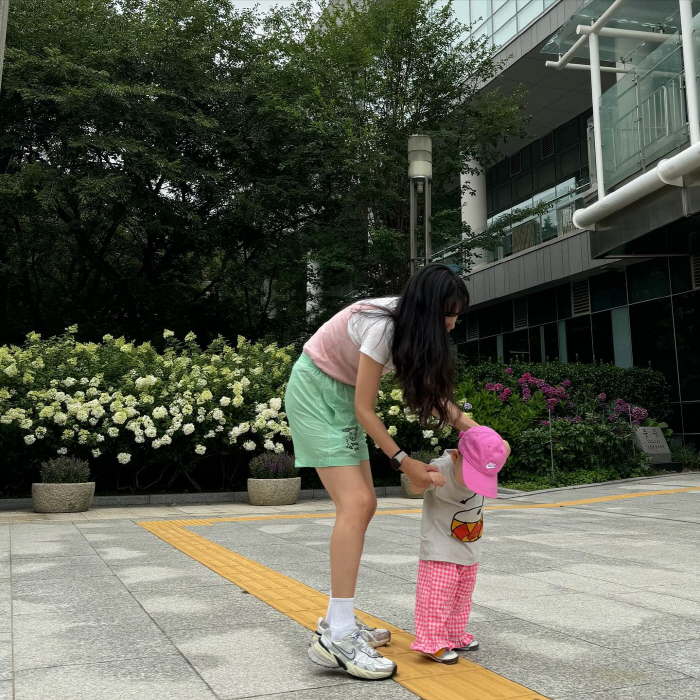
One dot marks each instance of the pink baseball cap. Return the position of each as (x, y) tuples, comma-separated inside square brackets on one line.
[(483, 456)]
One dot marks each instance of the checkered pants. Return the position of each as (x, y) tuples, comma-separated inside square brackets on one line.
[(443, 604)]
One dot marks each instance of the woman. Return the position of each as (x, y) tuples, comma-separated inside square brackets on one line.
[(331, 403)]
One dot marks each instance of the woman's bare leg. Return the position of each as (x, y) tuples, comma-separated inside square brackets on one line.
[(355, 501)]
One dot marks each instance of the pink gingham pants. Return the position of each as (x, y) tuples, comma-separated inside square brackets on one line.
[(443, 604)]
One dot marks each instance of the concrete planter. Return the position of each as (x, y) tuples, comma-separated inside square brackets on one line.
[(274, 492), (62, 498), (404, 487)]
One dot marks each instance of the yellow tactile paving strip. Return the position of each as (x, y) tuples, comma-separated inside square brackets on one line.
[(428, 680), (431, 681)]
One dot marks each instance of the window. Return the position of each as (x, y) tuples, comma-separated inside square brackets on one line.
[(551, 342), (608, 291), (686, 309), (651, 326), (578, 339), (516, 346), (535, 337), (648, 280), (681, 275), (488, 349), (542, 307), (603, 346)]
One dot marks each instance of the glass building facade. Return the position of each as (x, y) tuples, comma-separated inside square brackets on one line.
[(500, 20), (647, 314)]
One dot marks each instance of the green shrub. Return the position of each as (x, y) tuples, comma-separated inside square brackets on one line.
[(135, 411), (273, 466), (65, 470), (641, 386), (687, 455)]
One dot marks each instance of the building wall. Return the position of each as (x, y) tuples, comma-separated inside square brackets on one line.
[(647, 314)]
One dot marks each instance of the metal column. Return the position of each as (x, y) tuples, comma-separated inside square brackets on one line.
[(690, 70)]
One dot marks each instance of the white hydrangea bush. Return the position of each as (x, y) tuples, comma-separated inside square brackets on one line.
[(403, 424), (119, 401)]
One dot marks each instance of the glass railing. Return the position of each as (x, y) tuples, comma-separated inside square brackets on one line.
[(563, 200), (643, 117)]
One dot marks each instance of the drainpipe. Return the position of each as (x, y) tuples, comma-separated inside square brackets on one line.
[(689, 67)]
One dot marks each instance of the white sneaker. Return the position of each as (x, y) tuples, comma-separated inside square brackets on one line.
[(374, 636), (472, 646), (444, 656), (353, 654)]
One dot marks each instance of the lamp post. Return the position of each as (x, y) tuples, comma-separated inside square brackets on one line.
[(4, 5), (420, 175)]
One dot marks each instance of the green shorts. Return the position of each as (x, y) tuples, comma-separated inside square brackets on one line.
[(321, 415)]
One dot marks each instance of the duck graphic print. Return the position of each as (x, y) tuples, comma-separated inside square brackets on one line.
[(468, 525)]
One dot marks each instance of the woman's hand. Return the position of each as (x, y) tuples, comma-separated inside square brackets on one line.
[(421, 475)]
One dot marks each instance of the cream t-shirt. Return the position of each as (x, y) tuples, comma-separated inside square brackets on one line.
[(452, 521)]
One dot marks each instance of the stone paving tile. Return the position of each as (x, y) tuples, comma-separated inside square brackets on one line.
[(347, 691), (556, 664), (237, 662), (577, 583), (59, 567), (40, 597), (6, 692), (154, 678), (682, 656), (205, 608), (159, 575), (599, 620), (41, 641), (635, 575), (29, 549), (667, 602), (494, 586), (35, 532), (5, 656), (683, 689)]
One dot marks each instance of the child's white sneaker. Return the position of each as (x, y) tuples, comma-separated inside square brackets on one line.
[(472, 646), (445, 656)]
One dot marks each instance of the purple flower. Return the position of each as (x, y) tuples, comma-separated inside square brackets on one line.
[(635, 422), (498, 387), (612, 417), (539, 383), (490, 387), (552, 404), (507, 393), (602, 397), (544, 422), (576, 419), (509, 370), (639, 414), (571, 404), (526, 394), (566, 382), (621, 406), (467, 406)]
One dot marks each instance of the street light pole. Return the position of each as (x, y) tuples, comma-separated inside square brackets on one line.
[(420, 175), (4, 5)]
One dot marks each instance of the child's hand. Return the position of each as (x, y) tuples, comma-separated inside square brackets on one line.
[(437, 479), (506, 444)]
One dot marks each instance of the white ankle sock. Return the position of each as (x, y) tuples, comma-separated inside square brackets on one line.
[(341, 617)]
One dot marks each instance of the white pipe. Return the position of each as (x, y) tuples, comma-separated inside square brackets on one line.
[(667, 171), (598, 24), (564, 60), (585, 66), (625, 34), (691, 78), (596, 91)]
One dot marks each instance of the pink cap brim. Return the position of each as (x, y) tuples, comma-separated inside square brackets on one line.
[(479, 483)]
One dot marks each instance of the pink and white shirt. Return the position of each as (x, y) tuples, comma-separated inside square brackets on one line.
[(336, 346)]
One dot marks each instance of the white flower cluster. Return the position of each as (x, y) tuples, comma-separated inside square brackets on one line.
[(174, 399)]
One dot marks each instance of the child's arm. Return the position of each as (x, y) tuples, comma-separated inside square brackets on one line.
[(436, 479)]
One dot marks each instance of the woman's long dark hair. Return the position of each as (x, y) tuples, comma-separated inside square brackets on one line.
[(421, 346)]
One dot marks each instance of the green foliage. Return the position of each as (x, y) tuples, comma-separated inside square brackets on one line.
[(65, 470), (173, 163), (687, 455), (143, 418), (640, 386), (273, 466)]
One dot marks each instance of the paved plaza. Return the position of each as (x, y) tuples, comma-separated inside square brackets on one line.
[(583, 594)]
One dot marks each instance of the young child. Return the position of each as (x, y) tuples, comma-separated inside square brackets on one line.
[(451, 529)]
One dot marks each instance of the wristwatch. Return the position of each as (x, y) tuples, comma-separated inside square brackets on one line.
[(396, 460)]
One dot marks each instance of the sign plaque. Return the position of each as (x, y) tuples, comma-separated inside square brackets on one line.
[(653, 442)]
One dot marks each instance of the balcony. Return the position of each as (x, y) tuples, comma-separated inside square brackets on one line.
[(563, 200)]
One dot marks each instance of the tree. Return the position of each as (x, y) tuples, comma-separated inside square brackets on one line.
[(171, 163), (388, 69)]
